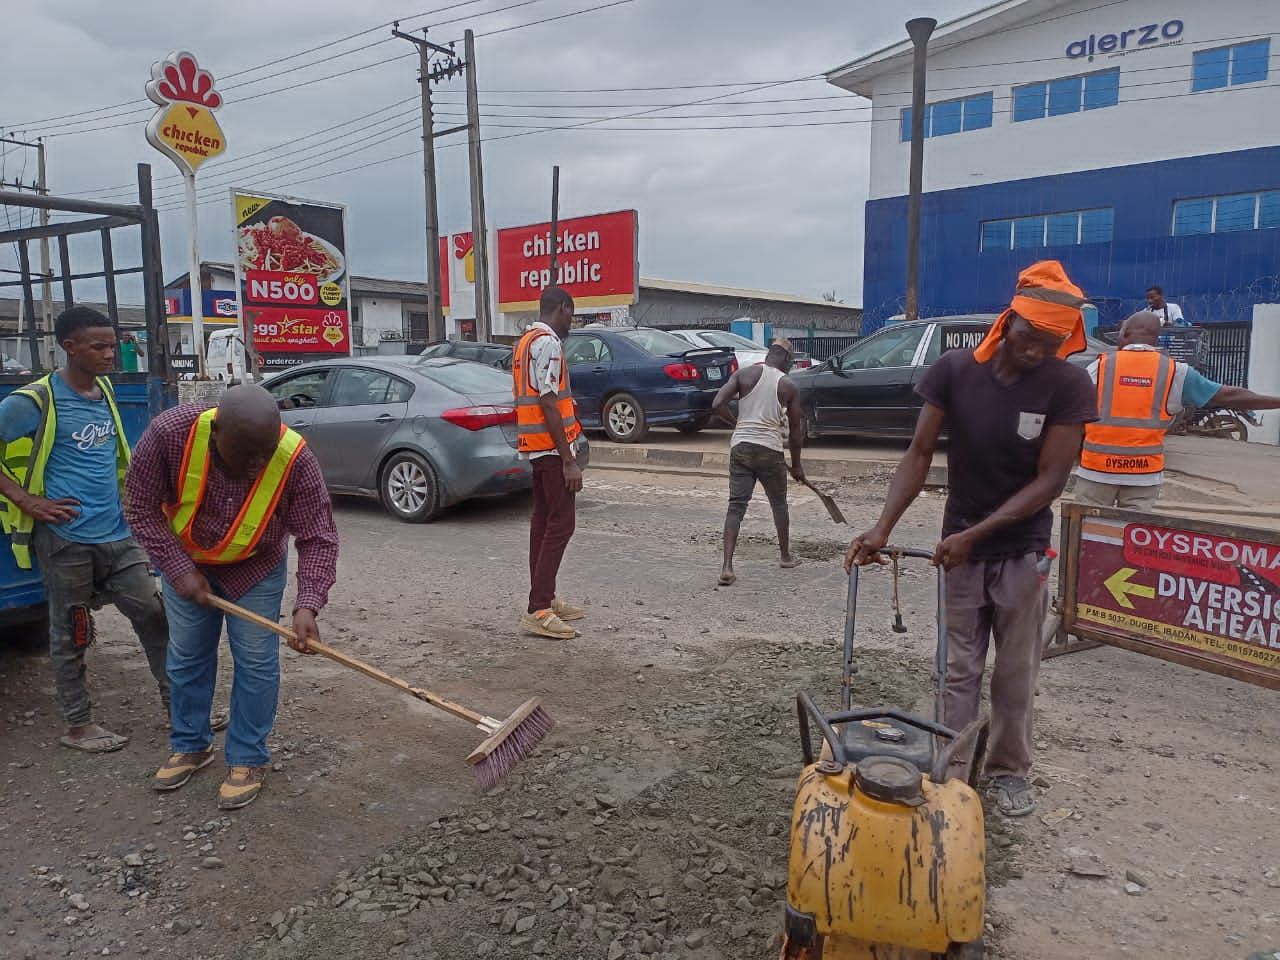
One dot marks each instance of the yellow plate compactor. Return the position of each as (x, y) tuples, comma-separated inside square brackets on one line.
[(888, 856)]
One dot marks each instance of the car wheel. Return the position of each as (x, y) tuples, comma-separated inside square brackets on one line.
[(693, 426), (624, 419), (409, 488)]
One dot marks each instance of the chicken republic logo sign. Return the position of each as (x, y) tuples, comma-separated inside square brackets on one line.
[(184, 128)]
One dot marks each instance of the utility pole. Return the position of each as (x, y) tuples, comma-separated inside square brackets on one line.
[(919, 30), (479, 236), (450, 66), (46, 273), (555, 226), (41, 186)]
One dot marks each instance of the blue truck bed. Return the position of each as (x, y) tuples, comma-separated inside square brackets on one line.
[(21, 591)]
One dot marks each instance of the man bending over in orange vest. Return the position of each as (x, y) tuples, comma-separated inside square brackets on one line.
[(213, 495), (1140, 391)]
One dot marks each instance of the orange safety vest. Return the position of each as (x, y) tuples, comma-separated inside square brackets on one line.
[(241, 541), (1133, 402), (535, 435)]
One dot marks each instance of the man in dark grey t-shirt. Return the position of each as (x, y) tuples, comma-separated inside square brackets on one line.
[(1014, 411)]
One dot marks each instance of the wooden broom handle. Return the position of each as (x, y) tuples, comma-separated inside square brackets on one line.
[(226, 606)]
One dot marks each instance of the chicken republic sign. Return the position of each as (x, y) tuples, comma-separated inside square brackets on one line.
[(185, 130), (597, 264)]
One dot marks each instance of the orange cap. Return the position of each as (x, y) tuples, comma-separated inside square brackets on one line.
[(1049, 301)]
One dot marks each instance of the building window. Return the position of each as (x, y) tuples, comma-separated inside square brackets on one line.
[(1053, 98), (952, 116), (1228, 214), (357, 327), (1231, 66), (1054, 230)]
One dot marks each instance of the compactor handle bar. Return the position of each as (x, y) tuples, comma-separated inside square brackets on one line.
[(851, 611)]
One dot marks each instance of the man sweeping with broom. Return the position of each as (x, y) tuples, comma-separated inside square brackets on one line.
[(214, 495)]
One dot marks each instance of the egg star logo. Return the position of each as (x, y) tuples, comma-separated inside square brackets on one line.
[(184, 128), (464, 250)]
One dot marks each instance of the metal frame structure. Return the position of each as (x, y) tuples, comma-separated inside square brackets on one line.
[(103, 219)]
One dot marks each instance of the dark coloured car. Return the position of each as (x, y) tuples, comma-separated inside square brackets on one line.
[(626, 380), (490, 354), (869, 389), (418, 433)]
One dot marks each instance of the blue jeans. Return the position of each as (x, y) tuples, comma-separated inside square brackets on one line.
[(194, 632)]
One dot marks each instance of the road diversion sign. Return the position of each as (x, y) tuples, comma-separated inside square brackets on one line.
[(1205, 595)]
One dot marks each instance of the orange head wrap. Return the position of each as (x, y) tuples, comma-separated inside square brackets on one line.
[(1047, 300)]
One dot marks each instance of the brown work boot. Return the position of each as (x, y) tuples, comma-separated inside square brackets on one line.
[(180, 767), (567, 611), (241, 788)]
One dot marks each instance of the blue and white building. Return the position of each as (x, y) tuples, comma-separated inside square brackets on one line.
[(1137, 141)]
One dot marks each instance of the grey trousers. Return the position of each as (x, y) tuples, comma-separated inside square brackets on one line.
[(73, 574), (1004, 601), (1124, 496)]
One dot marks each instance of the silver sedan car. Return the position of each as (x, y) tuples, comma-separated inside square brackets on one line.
[(419, 434)]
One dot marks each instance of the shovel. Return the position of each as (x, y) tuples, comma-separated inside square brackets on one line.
[(832, 510)]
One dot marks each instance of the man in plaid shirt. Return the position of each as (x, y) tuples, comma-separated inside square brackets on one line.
[(242, 444)]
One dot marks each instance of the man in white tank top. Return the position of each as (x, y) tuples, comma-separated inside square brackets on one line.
[(768, 410)]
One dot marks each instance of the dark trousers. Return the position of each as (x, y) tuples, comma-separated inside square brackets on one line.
[(749, 463), (74, 574), (551, 528)]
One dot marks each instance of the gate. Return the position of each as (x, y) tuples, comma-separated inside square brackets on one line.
[(1227, 352), (141, 394)]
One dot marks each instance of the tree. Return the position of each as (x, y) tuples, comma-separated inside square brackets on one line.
[(830, 297)]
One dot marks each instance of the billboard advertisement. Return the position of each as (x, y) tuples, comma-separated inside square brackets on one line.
[(292, 277), (598, 261)]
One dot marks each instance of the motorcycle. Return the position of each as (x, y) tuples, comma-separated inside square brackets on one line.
[(1215, 422)]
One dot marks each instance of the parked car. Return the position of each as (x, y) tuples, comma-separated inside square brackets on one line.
[(9, 365), (869, 389), (491, 354), (628, 379), (418, 433), (747, 351)]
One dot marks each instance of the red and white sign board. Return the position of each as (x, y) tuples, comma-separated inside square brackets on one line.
[(598, 261)]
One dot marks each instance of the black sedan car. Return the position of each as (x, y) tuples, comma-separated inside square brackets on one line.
[(869, 389)]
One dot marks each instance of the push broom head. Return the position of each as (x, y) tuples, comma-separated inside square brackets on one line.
[(513, 741)]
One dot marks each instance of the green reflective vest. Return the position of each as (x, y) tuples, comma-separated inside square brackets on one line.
[(24, 461)]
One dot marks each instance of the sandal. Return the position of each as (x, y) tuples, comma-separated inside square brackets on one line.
[(105, 742), (1014, 796)]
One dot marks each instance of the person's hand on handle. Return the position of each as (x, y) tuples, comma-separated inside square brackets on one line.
[(797, 473), (865, 549), (60, 511), (572, 476), (194, 587), (305, 630), (953, 550)]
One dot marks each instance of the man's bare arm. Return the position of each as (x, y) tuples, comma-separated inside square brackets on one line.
[(790, 396), (724, 396)]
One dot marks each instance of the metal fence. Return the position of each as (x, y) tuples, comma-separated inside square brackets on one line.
[(1228, 352), (1218, 350), (823, 348)]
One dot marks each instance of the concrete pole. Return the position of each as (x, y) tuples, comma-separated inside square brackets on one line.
[(479, 237), (919, 30)]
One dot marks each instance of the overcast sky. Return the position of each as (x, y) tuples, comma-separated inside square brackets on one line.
[(776, 209)]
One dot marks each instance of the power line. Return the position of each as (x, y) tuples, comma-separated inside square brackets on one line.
[(592, 125), (275, 62)]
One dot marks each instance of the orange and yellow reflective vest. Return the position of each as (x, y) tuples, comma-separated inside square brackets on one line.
[(241, 541), (535, 435), (1133, 404)]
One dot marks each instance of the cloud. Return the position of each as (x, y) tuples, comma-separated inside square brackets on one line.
[(772, 208)]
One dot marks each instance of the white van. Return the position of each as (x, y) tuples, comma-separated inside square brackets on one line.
[(224, 357)]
